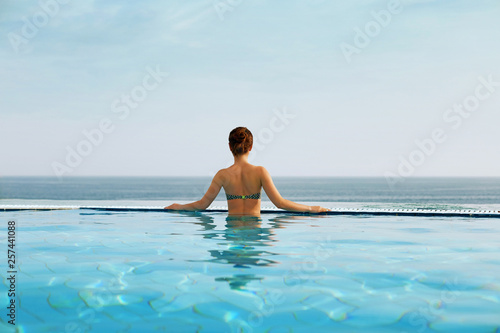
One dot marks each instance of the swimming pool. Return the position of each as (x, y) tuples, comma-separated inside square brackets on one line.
[(86, 270)]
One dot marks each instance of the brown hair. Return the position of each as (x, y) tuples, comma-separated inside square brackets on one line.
[(240, 140)]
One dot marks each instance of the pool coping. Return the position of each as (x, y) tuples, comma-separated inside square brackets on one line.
[(272, 210)]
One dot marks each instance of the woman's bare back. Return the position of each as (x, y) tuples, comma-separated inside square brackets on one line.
[(242, 179), (243, 183)]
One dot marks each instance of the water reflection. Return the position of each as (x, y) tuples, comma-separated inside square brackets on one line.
[(243, 241), (239, 281), (245, 244)]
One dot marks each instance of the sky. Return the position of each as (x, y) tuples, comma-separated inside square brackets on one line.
[(391, 89)]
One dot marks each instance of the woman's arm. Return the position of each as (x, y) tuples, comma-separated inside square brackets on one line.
[(280, 202), (207, 199)]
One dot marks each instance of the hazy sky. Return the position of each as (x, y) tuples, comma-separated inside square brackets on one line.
[(329, 88)]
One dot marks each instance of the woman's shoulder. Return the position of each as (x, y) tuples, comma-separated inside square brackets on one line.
[(258, 169), (221, 172), (261, 169), (253, 166)]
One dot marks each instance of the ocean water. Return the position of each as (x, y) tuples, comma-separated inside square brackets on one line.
[(420, 191)]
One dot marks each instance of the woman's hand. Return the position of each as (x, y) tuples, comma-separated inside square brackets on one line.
[(174, 206), (319, 209)]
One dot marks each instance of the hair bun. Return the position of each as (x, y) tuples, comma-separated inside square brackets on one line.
[(240, 140), (241, 136)]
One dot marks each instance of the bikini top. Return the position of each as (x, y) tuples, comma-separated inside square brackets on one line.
[(251, 196)]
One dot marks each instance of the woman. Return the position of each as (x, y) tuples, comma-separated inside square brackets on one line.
[(242, 183)]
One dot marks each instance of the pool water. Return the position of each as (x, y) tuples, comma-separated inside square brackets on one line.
[(93, 271)]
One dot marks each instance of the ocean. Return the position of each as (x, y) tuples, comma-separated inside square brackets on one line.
[(420, 191)]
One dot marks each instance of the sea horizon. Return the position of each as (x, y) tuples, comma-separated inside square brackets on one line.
[(429, 192)]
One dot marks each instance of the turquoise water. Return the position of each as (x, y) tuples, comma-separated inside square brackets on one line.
[(91, 271)]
